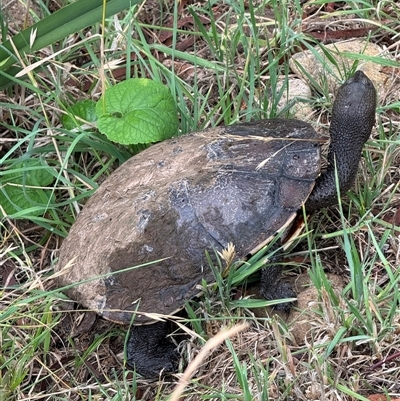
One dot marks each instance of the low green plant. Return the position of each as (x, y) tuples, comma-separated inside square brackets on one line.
[(80, 112), (137, 110), (24, 189)]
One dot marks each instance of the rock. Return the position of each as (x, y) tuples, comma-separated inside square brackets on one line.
[(298, 90), (302, 320), (324, 69)]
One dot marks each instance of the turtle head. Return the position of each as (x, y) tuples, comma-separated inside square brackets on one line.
[(353, 114), (353, 117)]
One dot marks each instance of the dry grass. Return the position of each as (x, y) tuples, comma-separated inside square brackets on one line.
[(352, 345)]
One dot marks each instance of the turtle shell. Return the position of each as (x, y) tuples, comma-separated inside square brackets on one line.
[(174, 201)]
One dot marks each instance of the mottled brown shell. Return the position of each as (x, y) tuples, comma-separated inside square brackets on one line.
[(175, 200)]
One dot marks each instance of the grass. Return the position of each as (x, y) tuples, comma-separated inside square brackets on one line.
[(235, 68)]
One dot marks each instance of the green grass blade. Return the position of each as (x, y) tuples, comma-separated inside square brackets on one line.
[(55, 27)]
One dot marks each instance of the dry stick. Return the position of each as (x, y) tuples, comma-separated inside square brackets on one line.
[(208, 346), (386, 360)]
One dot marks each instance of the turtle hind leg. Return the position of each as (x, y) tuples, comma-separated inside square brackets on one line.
[(272, 287), (150, 352)]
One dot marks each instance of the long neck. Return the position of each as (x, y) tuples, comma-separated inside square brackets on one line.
[(345, 160), (353, 116)]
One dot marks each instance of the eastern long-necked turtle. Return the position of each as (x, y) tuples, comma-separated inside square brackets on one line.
[(237, 184)]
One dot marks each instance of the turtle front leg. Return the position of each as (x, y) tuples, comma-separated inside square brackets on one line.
[(272, 287), (150, 352)]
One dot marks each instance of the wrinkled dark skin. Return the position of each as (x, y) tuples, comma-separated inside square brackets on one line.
[(149, 350), (353, 116)]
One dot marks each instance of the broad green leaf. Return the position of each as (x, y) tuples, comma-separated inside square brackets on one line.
[(19, 188), (138, 110), (84, 109)]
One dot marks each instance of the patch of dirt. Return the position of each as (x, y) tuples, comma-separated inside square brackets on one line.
[(17, 14), (304, 317)]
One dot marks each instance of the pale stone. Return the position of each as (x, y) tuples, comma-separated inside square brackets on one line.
[(304, 319), (323, 69), (299, 92)]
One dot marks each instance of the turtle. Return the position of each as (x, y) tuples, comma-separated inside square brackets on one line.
[(165, 207)]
